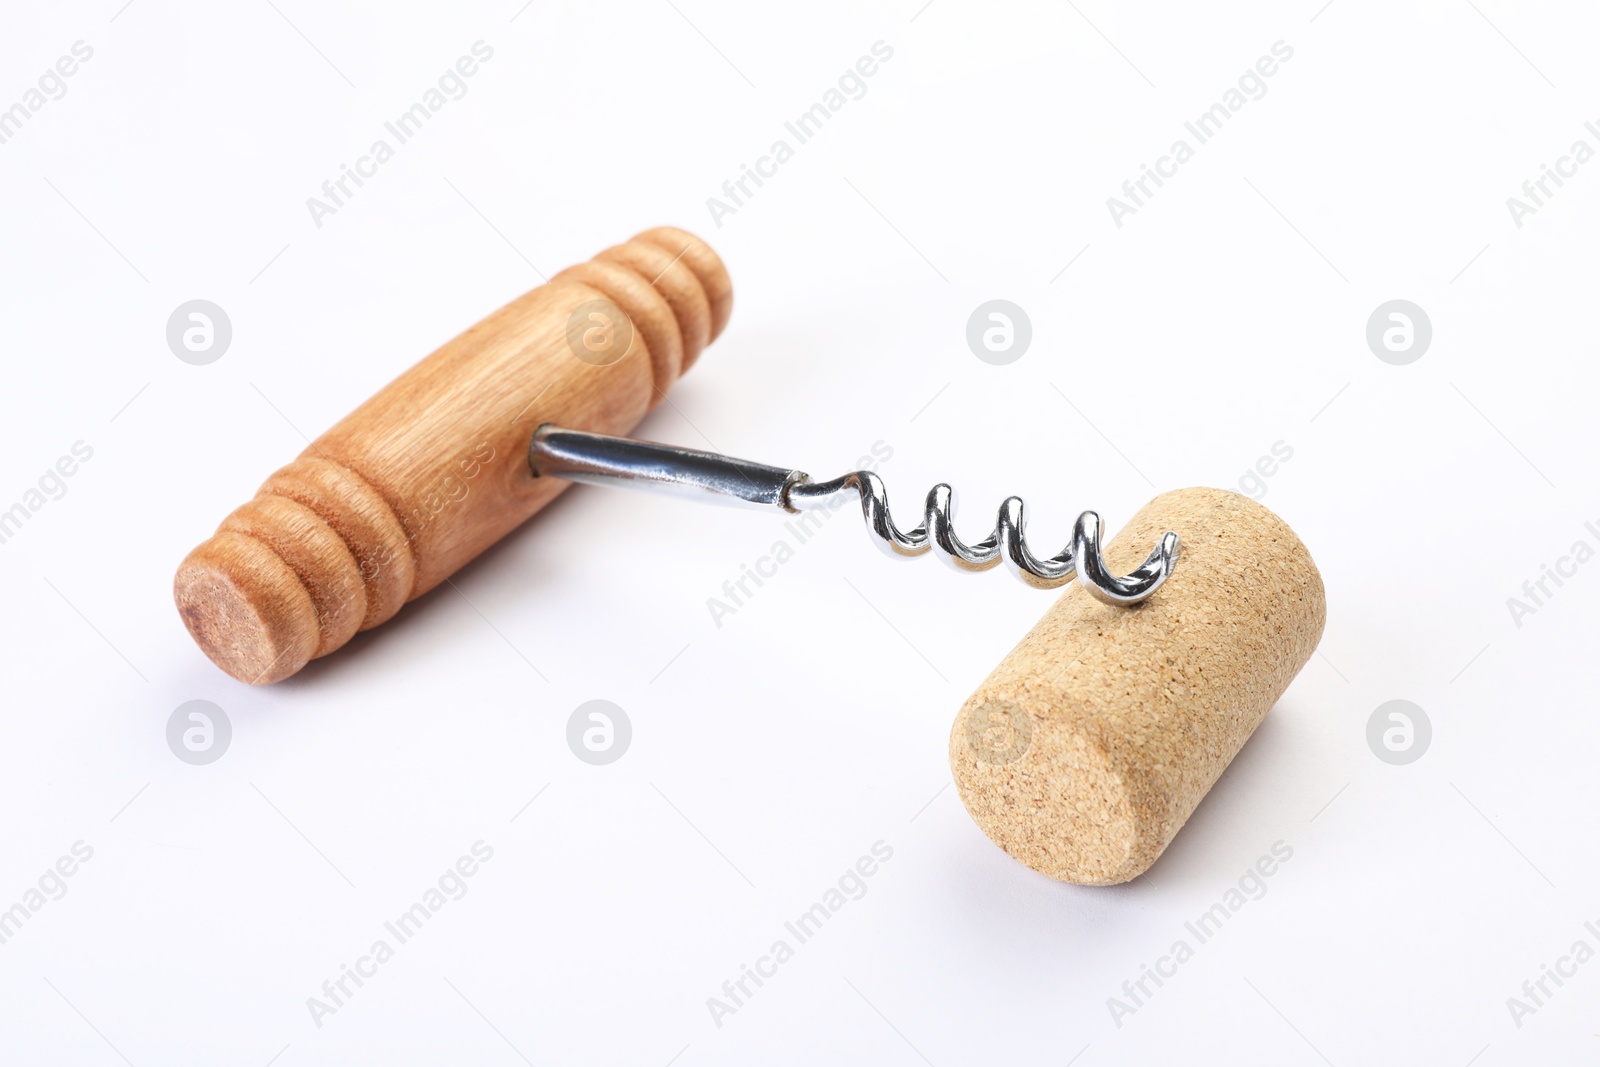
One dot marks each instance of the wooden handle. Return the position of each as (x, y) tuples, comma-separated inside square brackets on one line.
[(433, 469), (1088, 747)]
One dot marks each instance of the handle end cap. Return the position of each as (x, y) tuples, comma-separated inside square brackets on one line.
[(246, 609)]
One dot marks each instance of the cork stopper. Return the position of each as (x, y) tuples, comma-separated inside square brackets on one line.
[(1093, 741)]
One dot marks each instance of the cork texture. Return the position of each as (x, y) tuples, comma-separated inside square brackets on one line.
[(1090, 745)]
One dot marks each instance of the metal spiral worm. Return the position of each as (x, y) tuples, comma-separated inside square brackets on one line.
[(599, 459), (1006, 543)]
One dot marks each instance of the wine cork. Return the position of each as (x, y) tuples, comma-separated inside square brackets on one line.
[(1092, 742)]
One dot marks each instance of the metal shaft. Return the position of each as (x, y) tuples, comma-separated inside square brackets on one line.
[(598, 459)]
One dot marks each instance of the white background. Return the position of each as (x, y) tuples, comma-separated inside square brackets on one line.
[(768, 754)]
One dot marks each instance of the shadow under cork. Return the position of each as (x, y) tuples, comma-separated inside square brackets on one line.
[(1234, 822), (1010, 911)]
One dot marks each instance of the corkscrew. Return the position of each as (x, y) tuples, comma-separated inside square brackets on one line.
[(600, 459), (468, 444)]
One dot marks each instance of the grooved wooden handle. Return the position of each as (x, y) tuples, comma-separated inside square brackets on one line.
[(433, 469)]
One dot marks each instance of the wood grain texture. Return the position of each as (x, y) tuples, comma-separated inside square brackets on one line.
[(432, 470), (1090, 745)]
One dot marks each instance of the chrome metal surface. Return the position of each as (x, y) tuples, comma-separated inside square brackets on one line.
[(598, 459), (1005, 543)]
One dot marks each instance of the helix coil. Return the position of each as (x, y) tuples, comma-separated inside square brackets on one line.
[(1006, 543)]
